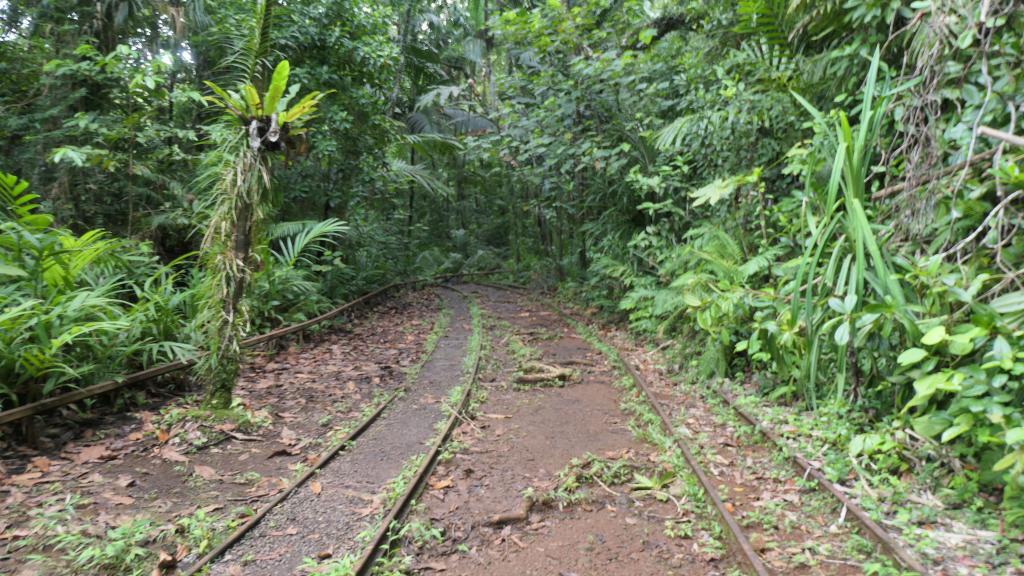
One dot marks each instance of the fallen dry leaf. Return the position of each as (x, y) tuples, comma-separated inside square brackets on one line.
[(315, 487), (162, 436), (205, 472), (118, 500), (288, 436), (90, 453), (283, 452), (166, 561), (168, 453), (41, 463), (27, 479), (440, 484)]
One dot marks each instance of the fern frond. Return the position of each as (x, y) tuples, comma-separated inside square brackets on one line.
[(18, 205)]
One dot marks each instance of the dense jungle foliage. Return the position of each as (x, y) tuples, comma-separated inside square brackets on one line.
[(822, 197)]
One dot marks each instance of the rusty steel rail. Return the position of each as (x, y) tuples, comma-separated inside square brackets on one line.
[(47, 404), (383, 538), (327, 457), (749, 556), (894, 549)]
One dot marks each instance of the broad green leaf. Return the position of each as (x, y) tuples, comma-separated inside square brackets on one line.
[(226, 101), (1015, 435), (1002, 353), (930, 425), (857, 445), (911, 356), (692, 300), (307, 104), (252, 98), (963, 424), (960, 344), (850, 302), (1009, 460), (713, 192), (837, 305), (925, 388), (278, 83), (1009, 303), (934, 336), (842, 335)]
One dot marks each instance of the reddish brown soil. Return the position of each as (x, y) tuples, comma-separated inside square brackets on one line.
[(521, 439), (795, 527), (137, 466)]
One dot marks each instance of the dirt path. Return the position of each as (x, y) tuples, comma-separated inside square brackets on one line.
[(322, 521), (571, 448)]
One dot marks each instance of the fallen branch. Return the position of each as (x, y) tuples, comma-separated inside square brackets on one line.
[(521, 514), (949, 171), (981, 228), (536, 372), (1000, 135)]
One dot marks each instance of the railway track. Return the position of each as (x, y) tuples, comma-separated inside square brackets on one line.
[(385, 533), (384, 536), (392, 517), (742, 542), (320, 463)]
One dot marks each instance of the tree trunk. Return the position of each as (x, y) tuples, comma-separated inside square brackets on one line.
[(221, 383)]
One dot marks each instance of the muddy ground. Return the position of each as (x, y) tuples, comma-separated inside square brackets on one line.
[(522, 438), (183, 476)]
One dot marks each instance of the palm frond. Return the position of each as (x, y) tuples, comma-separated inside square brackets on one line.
[(402, 171), (251, 46), (428, 144), (308, 241), (464, 122)]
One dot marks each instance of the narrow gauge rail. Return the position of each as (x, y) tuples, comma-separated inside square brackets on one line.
[(382, 539), (327, 457), (748, 555), (891, 547), (877, 532), (22, 412)]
